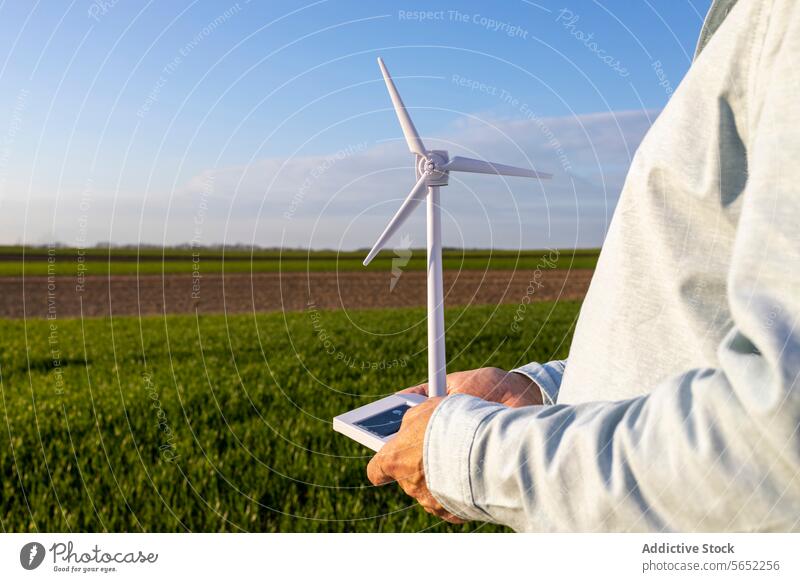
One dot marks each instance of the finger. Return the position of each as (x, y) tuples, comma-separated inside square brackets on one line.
[(450, 518), (442, 513), (375, 472), (410, 485), (420, 389), (431, 505)]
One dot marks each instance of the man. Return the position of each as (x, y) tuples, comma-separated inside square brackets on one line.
[(679, 406)]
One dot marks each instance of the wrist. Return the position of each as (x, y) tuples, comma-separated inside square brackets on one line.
[(530, 393), (546, 376)]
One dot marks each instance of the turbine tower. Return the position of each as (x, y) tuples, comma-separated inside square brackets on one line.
[(432, 171)]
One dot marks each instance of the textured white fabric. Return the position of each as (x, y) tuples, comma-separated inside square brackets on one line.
[(679, 407)]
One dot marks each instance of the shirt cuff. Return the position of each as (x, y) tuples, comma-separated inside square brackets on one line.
[(547, 376), (446, 452)]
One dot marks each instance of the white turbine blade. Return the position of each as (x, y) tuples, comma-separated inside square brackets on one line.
[(459, 164), (412, 137), (416, 196)]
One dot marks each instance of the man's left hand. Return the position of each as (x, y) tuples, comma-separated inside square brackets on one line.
[(401, 460)]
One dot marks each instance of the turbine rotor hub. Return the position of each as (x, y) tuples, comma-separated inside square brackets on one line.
[(430, 166)]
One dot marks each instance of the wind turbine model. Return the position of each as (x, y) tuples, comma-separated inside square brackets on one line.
[(375, 423)]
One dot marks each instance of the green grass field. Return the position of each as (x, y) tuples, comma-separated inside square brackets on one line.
[(223, 423), (33, 261)]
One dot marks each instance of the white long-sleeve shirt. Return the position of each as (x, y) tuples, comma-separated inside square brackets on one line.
[(679, 406)]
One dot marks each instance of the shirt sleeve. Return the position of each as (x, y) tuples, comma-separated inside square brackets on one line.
[(546, 376), (711, 449)]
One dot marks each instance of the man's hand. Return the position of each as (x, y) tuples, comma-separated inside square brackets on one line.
[(492, 384), (401, 460)]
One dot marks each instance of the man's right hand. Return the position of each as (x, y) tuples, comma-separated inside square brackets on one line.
[(492, 384)]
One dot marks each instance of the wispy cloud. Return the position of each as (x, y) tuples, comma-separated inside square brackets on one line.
[(342, 199)]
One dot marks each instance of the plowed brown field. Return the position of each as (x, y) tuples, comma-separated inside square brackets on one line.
[(241, 293)]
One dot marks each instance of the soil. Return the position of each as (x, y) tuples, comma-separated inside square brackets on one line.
[(244, 293)]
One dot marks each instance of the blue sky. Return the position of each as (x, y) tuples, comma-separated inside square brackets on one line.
[(267, 122)]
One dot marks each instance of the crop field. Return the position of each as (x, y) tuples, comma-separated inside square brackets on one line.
[(222, 423), (39, 261)]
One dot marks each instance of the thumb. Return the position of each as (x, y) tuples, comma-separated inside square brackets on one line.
[(375, 472)]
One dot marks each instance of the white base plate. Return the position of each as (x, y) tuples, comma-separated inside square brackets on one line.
[(376, 423)]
